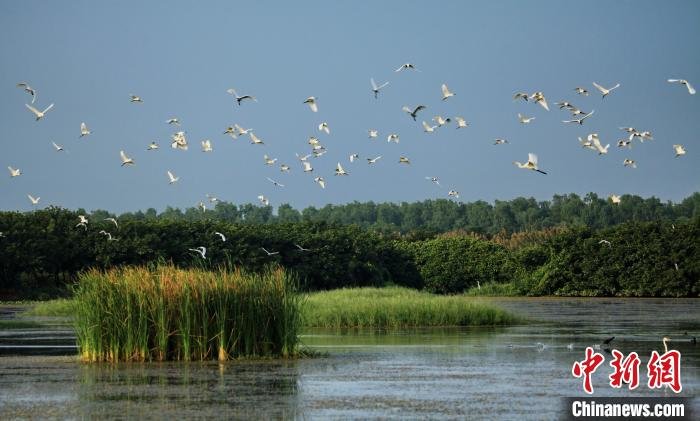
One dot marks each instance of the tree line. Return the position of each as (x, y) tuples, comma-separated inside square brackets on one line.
[(43, 251)]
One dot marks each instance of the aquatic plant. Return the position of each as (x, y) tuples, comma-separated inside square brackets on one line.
[(166, 313), (398, 307)]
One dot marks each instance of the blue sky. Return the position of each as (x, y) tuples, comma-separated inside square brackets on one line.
[(180, 57)]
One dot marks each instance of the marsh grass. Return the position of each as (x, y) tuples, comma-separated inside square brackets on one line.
[(398, 307), (165, 313), (59, 307)]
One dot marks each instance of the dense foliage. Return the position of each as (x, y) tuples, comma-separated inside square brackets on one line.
[(45, 250)]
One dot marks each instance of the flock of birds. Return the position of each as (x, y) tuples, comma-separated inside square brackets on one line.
[(179, 139)]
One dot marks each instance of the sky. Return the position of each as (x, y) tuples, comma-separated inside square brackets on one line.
[(180, 57)]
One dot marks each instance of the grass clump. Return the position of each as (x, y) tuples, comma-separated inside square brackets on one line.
[(165, 313), (59, 307), (398, 307)]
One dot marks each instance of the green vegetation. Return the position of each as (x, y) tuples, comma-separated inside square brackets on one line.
[(397, 307), (165, 313), (59, 307)]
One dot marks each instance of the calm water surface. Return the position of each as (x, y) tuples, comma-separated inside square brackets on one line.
[(475, 373)]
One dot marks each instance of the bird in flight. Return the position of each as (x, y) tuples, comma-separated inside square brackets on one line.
[(173, 120), (428, 128), (108, 235), (323, 127), (240, 99), (339, 170), (14, 172), (606, 242), (540, 99), (264, 200), (152, 147), (39, 114), (284, 168), (268, 252), (461, 122), (605, 91), (393, 138), (179, 141), (171, 177), (520, 95), (307, 166), (125, 159), (371, 161), (406, 66), (581, 91), (206, 146), (691, 90), (615, 199), (531, 163), (301, 248), (254, 139), (321, 182), (435, 180), (312, 103), (201, 250), (441, 121), (268, 160), (624, 142), (35, 201), (500, 141), (58, 148), (275, 182), (136, 98), (446, 92), (579, 120), (376, 88), (372, 133), (680, 150), (28, 89), (629, 163), (453, 193), (112, 220), (414, 111), (404, 160), (83, 222), (524, 120), (222, 236), (84, 131)]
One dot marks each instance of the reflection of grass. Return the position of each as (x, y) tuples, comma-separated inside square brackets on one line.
[(60, 307), (18, 324), (398, 307), (166, 313)]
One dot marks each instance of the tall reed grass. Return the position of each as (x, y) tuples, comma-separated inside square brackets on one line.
[(398, 307), (166, 313)]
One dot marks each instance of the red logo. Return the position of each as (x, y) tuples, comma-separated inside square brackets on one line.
[(587, 367)]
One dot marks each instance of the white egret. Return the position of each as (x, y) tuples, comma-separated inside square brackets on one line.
[(307, 166), (125, 159), (84, 131), (629, 163), (605, 91), (275, 182), (202, 206), (39, 114), (206, 145), (413, 111), (579, 120), (312, 103), (500, 142), (441, 121), (371, 161), (301, 248), (564, 104), (615, 199), (353, 157), (58, 148), (14, 172), (540, 99), (135, 98), (254, 139), (179, 141), (376, 88), (321, 182), (372, 133), (606, 242), (597, 146), (324, 128), (461, 122), (406, 66), (691, 90), (108, 235), (624, 142), (201, 250), (524, 120), (172, 178), (393, 138), (112, 220), (268, 252), (428, 128), (34, 200), (153, 146), (241, 131), (531, 163), (581, 91), (284, 168), (453, 193), (173, 120), (239, 99), (269, 161), (434, 180), (231, 131), (222, 236), (404, 160), (264, 200), (340, 171), (28, 89), (680, 150), (446, 92), (520, 95), (212, 199)]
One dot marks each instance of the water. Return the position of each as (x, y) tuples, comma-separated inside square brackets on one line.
[(476, 373)]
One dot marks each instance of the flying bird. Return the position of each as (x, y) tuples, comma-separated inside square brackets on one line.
[(540, 99), (605, 91), (135, 98), (520, 95), (324, 128), (691, 90), (680, 150), (125, 159), (58, 148), (222, 236), (581, 91), (393, 138), (353, 157), (376, 88), (284, 168), (108, 235), (173, 120), (461, 122), (35, 201), (441, 121), (84, 131), (39, 114), (321, 182), (171, 177), (629, 163), (275, 182), (307, 166), (428, 128), (312, 103), (453, 193), (179, 141), (112, 220), (239, 99), (201, 250), (254, 139), (414, 111), (404, 160), (531, 163), (524, 120), (264, 200), (435, 180), (206, 145), (606, 242), (446, 92), (615, 199), (500, 142), (269, 161), (406, 66), (152, 147), (269, 253), (301, 248), (339, 170), (371, 161), (14, 172), (372, 133), (624, 142), (28, 89), (579, 120)]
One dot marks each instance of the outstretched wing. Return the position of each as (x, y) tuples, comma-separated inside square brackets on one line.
[(532, 158), (32, 109)]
